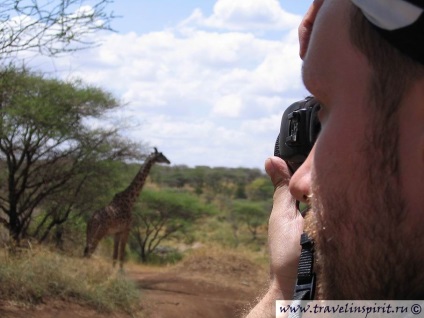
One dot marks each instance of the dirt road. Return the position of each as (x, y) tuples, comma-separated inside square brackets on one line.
[(167, 295)]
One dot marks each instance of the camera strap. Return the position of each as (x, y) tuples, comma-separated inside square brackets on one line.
[(305, 284)]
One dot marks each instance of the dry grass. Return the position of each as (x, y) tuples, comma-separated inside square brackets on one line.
[(226, 265), (36, 276)]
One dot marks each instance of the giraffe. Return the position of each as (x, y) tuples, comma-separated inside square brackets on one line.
[(116, 217)]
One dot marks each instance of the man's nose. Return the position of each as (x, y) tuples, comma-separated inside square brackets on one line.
[(300, 182)]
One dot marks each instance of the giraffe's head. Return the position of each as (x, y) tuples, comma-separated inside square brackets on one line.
[(160, 158)]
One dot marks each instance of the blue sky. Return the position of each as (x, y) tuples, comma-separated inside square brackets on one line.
[(204, 81), (154, 15)]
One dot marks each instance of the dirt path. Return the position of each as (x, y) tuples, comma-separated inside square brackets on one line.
[(171, 293), (166, 295)]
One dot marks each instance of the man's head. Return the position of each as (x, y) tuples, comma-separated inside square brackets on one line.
[(366, 170)]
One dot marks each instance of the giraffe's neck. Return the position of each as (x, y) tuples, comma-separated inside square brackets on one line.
[(132, 192)]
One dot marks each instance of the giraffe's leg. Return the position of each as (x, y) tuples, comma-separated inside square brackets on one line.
[(116, 240), (91, 247), (95, 232), (122, 244), (87, 250)]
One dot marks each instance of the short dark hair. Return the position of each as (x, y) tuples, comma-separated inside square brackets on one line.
[(393, 71), (393, 74)]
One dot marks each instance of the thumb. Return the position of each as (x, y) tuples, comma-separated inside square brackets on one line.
[(278, 171), (284, 207)]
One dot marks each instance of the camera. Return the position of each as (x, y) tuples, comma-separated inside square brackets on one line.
[(298, 132)]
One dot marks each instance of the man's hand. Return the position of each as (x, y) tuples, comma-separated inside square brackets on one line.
[(285, 228)]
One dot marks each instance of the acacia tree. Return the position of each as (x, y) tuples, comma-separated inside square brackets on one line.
[(251, 214), (50, 26), (260, 189), (48, 143), (159, 215), (91, 187)]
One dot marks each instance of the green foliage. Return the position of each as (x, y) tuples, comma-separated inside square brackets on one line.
[(206, 181), (48, 106), (252, 214), (220, 231), (242, 199), (162, 215), (78, 169), (52, 155), (103, 180), (167, 216), (165, 258), (171, 203), (260, 189)]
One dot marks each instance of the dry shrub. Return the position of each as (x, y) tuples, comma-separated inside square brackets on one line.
[(36, 276), (225, 265)]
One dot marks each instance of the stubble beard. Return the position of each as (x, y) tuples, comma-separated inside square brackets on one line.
[(362, 245)]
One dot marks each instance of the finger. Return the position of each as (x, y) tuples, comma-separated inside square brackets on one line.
[(284, 205), (278, 171)]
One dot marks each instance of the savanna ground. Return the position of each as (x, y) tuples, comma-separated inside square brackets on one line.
[(209, 282)]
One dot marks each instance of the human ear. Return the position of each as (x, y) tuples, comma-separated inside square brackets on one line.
[(306, 26)]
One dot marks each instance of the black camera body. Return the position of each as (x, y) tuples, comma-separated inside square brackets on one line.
[(298, 132)]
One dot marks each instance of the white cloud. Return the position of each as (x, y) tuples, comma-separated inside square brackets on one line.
[(243, 15), (228, 106), (203, 96)]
